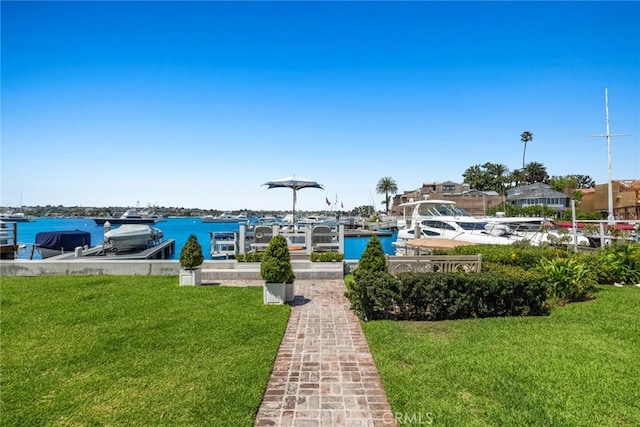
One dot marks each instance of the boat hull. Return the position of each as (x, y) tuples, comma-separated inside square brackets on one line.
[(52, 243), (131, 237)]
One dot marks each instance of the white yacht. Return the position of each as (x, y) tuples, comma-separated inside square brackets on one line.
[(442, 219), (225, 217), (131, 216), (15, 217)]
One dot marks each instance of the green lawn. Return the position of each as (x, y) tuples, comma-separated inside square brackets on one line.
[(105, 350), (580, 366)]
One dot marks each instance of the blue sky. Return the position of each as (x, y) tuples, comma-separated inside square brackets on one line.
[(196, 104)]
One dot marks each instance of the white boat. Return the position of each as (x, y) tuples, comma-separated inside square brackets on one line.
[(131, 237), (52, 243), (442, 219), (152, 215), (225, 217), (131, 216), (14, 217)]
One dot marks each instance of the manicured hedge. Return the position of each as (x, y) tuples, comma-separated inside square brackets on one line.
[(326, 256), (420, 296)]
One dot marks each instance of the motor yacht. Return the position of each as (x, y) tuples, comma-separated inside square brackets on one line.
[(443, 219)]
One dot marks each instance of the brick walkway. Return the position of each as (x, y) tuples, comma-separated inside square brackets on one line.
[(324, 374)]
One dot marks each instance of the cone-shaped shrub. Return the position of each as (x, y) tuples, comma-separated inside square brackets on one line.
[(276, 262), (373, 258), (191, 253)]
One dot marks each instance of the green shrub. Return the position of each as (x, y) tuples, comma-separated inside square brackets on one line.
[(371, 294), (373, 258), (276, 262), (440, 296), (568, 278), (191, 253), (326, 256), (619, 263), (519, 256), (513, 271), (249, 257)]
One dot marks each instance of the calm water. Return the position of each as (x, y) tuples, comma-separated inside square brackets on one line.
[(173, 228)]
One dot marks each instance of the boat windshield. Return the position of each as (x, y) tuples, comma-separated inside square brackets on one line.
[(441, 210)]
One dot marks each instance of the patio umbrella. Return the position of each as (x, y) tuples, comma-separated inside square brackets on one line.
[(295, 183)]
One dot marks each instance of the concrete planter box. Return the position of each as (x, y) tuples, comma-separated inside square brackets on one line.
[(290, 292), (190, 277), (274, 293)]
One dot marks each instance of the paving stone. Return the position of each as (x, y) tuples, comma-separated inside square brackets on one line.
[(324, 374)]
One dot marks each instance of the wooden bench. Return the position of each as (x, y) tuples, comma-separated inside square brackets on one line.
[(435, 264)]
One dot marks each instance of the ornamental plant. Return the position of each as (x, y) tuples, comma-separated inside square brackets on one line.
[(373, 259), (568, 279), (276, 262), (191, 254)]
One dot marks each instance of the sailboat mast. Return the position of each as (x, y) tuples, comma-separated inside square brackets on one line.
[(608, 135)]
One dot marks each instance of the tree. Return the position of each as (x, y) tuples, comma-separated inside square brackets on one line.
[(560, 183), (386, 186), (535, 172), (364, 210), (487, 177), (585, 181), (575, 182), (525, 137), (499, 173), (517, 177)]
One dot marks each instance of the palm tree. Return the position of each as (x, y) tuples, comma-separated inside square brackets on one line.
[(499, 174), (536, 172), (525, 137), (516, 177), (385, 186)]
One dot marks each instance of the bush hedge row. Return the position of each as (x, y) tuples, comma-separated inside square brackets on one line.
[(419, 296)]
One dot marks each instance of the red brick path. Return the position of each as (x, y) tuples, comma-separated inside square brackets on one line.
[(324, 374)]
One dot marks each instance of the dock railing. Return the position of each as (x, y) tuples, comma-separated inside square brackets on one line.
[(8, 240), (302, 238)]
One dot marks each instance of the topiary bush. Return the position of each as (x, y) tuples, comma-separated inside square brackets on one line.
[(276, 262), (191, 253), (373, 259)]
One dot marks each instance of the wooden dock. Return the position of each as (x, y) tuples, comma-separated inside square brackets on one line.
[(361, 232), (163, 250)]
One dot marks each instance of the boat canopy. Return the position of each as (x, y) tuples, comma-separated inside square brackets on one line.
[(66, 240)]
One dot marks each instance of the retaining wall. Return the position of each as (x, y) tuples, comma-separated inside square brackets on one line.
[(211, 270)]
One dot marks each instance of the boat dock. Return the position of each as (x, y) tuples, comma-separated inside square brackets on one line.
[(163, 250), (361, 232)]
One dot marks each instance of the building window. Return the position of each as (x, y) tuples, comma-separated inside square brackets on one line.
[(448, 188)]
